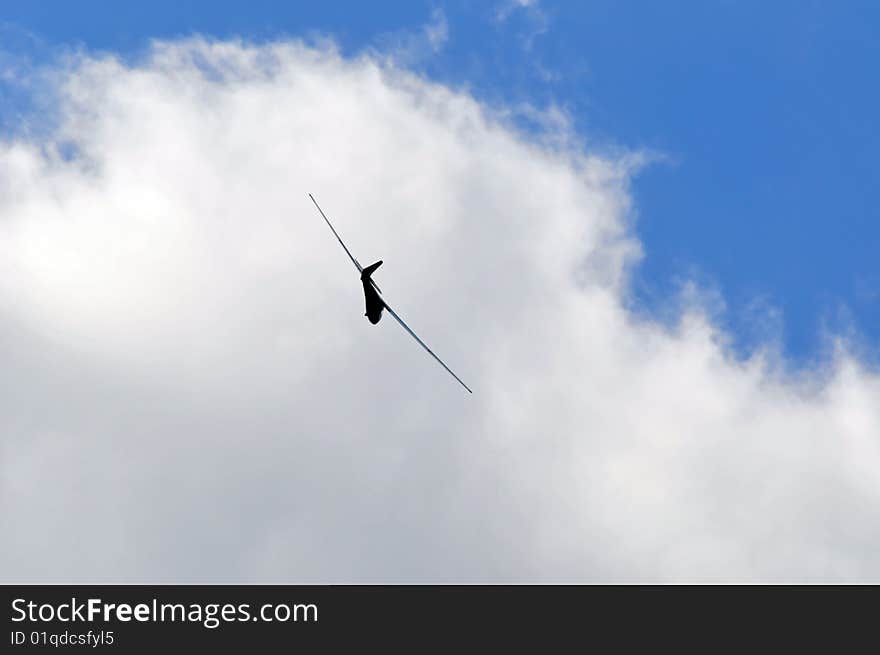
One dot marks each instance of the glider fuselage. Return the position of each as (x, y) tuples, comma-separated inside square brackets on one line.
[(373, 302)]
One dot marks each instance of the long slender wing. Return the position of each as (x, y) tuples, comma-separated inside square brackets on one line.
[(350, 256), (414, 336)]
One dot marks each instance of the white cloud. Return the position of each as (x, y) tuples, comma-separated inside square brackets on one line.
[(437, 31), (409, 48), (191, 392), (504, 9), (537, 23)]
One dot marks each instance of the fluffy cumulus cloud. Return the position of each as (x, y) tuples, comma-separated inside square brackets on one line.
[(190, 391)]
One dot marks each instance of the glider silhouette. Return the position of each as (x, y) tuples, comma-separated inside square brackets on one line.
[(374, 302)]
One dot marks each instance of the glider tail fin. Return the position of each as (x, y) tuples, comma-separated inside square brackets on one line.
[(369, 270)]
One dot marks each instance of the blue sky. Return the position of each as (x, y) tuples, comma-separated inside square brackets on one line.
[(765, 113)]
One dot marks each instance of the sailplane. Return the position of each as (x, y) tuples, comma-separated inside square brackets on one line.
[(373, 298)]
